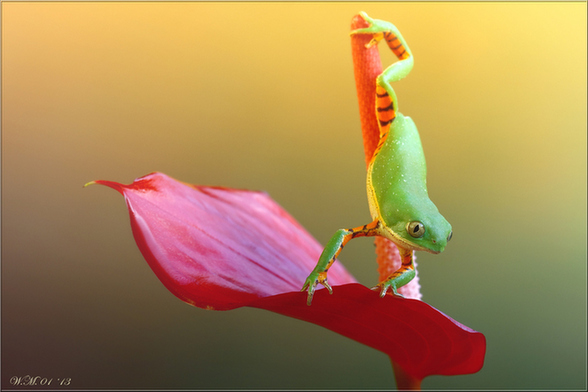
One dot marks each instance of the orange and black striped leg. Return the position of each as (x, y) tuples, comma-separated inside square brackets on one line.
[(400, 277), (380, 29), (393, 73), (396, 46), (330, 253), (386, 114), (385, 110), (387, 104)]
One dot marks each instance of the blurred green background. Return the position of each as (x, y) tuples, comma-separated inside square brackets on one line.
[(262, 96)]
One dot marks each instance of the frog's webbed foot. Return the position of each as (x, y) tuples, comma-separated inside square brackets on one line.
[(383, 288), (377, 28), (312, 281)]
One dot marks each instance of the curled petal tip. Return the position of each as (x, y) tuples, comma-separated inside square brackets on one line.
[(111, 184)]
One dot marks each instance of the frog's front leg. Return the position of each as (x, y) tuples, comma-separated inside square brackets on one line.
[(330, 253), (401, 276)]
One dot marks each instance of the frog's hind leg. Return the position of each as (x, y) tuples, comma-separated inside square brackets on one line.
[(397, 44), (386, 101)]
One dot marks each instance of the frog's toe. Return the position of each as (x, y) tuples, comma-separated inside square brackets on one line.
[(366, 17), (310, 295), (327, 286), (312, 281), (310, 286)]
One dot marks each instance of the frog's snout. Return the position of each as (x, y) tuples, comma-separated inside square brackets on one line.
[(438, 245)]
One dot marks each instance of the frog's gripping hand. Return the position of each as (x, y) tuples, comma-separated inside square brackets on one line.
[(312, 281), (330, 253), (381, 29)]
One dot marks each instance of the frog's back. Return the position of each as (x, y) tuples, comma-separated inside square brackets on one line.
[(398, 171)]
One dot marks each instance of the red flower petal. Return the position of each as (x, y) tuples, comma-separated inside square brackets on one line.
[(221, 248), (216, 247), (417, 337)]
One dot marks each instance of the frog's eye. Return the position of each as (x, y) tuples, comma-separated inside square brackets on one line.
[(449, 236), (416, 229)]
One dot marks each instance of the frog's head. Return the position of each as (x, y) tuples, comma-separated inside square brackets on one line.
[(422, 228)]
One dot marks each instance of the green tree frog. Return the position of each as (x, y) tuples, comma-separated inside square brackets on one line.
[(396, 179)]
